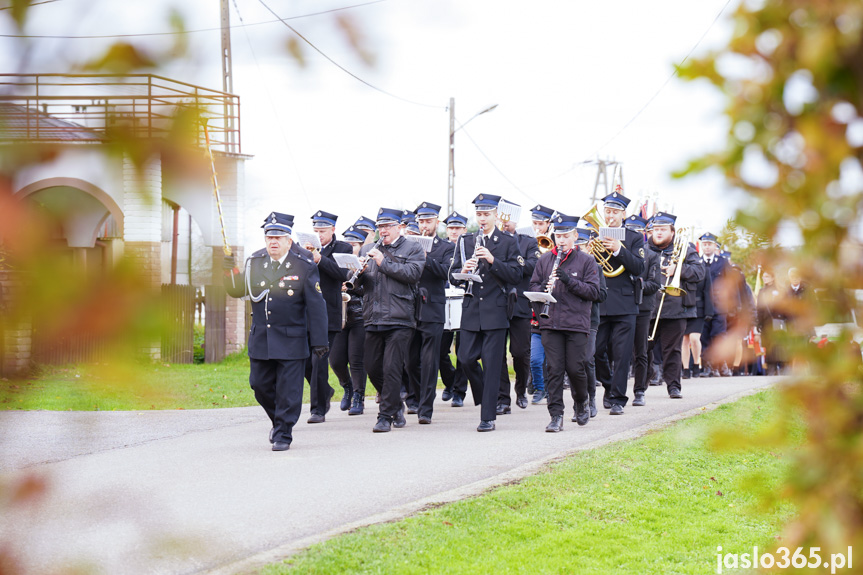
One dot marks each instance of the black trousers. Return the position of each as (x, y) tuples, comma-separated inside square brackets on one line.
[(318, 375), (519, 348), (669, 335), (484, 381), (278, 387), (348, 348), (454, 378), (642, 330), (384, 360), (565, 351), (590, 364), (422, 366), (615, 336)]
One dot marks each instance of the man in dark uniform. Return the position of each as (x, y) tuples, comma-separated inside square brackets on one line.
[(332, 277), (649, 285), (454, 378), (367, 225), (426, 341), (392, 270), (493, 256), (616, 333), (716, 326), (519, 327), (541, 221), (288, 314)]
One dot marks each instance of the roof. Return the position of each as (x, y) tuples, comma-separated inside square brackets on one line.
[(24, 123)]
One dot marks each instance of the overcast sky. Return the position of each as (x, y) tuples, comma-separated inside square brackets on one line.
[(571, 80)]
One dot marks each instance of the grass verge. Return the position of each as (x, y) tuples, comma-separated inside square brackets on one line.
[(658, 504)]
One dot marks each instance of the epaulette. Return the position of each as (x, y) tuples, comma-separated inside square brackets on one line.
[(259, 253)]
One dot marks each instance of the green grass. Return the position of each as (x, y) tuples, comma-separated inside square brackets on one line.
[(659, 504)]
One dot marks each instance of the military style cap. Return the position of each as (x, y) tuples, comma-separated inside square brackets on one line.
[(541, 213), (364, 223), (486, 202), (649, 224), (455, 220), (278, 224), (323, 219), (584, 236), (354, 234), (664, 219), (407, 217), (427, 211), (634, 222), (725, 254), (616, 200), (413, 229), (388, 216), (708, 237), (564, 223)]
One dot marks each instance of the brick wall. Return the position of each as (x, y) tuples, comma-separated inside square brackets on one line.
[(16, 334)]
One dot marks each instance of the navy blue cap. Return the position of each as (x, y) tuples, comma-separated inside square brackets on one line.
[(635, 222), (486, 202), (564, 223), (427, 210), (455, 220), (364, 223), (664, 219), (388, 216), (323, 219), (725, 254), (354, 234), (649, 225), (278, 224), (541, 213), (584, 235), (408, 216), (413, 228), (616, 200), (708, 237)]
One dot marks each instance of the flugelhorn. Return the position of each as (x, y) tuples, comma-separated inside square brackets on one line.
[(544, 242), (596, 247)]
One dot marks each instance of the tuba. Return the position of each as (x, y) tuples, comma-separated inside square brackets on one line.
[(596, 249)]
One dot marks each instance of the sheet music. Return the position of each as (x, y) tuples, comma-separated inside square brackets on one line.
[(613, 233), (304, 238), (540, 296), (349, 261), (425, 241), (466, 277)]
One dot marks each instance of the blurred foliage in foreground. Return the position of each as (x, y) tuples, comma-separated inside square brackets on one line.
[(792, 75)]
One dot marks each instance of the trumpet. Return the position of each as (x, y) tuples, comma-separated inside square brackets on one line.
[(544, 242), (597, 249), (546, 307), (672, 284), (351, 281), (468, 292)]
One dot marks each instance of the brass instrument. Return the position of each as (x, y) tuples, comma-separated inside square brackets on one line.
[(544, 242), (672, 284), (597, 249), (546, 308)]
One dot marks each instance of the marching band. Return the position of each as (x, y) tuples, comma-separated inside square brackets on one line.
[(581, 300)]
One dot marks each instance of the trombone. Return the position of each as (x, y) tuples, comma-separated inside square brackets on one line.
[(597, 249), (672, 284)]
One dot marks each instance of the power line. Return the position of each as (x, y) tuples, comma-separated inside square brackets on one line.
[(342, 68), (178, 32)]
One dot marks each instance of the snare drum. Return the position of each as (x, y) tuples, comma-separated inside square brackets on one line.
[(454, 298)]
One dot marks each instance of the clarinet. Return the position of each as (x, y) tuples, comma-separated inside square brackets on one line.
[(353, 279), (546, 308), (468, 292)]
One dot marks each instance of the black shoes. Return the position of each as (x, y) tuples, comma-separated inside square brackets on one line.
[(382, 426), (639, 399), (399, 420), (446, 395), (316, 418), (357, 404), (674, 393), (616, 409), (521, 401), (686, 373), (485, 426), (281, 446), (503, 409), (457, 401), (605, 403), (582, 413), (413, 409), (346, 398), (555, 425), (332, 392), (592, 403), (272, 433), (696, 371), (424, 420)]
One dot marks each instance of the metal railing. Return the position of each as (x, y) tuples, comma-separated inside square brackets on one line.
[(81, 107)]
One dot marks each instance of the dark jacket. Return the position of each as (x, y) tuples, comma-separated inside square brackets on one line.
[(683, 306), (529, 252), (704, 298), (487, 308), (575, 299), (390, 290), (621, 289), (651, 279), (332, 277), (432, 286), (603, 294), (290, 313), (355, 306)]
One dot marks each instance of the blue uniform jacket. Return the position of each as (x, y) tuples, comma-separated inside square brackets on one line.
[(432, 286)]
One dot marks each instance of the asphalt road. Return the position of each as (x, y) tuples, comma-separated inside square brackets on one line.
[(200, 491)]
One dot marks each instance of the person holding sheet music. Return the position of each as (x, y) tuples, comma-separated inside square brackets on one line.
[(493, 256), (332, 276)]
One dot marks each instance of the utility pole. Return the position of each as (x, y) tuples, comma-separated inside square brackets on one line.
[(450, 194), (227, 72)]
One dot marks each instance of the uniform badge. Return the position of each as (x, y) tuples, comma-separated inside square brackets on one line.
[(495, 238), (263, 283), (281, 284), (538, 253), (287, 264), (641, 252), (290, 292), (520, 261), (318, 286)]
